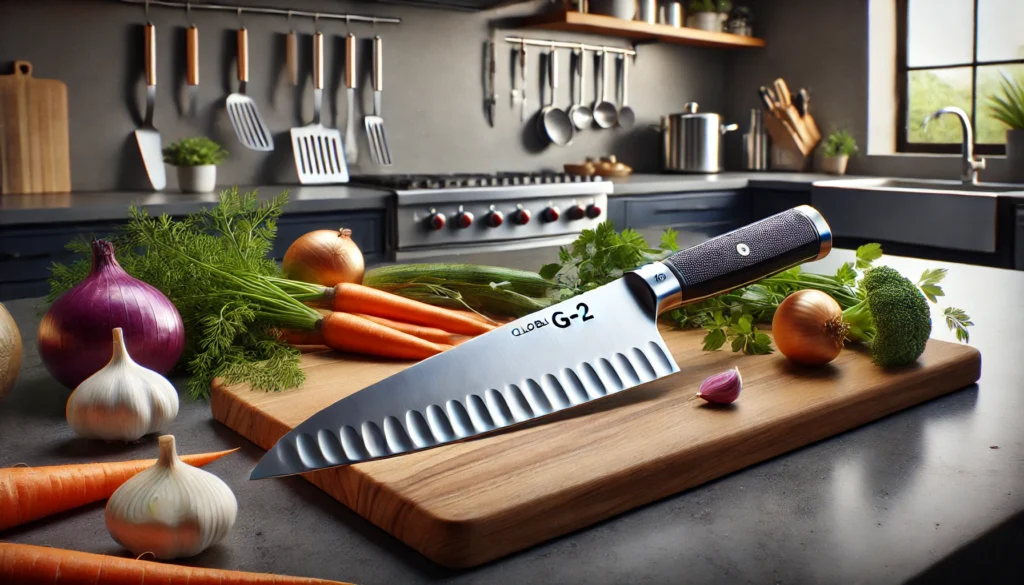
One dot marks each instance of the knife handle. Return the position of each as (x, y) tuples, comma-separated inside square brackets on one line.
[(150, 54), (318, 60), (192, 55), (750, 253), (378, 63), (291, 56)]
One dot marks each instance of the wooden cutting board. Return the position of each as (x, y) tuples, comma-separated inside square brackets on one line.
[(468, 503), (35, 152)]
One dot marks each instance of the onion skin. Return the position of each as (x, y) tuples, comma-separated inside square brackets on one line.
[(324, 257), (10, 351), (74, 335), (808, 328)]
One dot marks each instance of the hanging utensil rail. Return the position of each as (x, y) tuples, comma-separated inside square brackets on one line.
[(566, 45), (266, 10)]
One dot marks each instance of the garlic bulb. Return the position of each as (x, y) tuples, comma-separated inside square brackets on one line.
[(172, 509), (123, 401)]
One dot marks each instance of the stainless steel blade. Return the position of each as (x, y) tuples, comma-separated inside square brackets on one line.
[(351, 149), (583, 349), (152, 156)]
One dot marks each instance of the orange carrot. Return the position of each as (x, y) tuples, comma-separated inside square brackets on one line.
[(27, 564), (347, 332), (295, 337), (356, 298), (429, 333), (30, 493)]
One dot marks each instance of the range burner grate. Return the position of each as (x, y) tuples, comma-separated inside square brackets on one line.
[(467, 180)]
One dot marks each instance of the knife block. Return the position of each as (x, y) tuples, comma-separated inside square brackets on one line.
[(788, 151)]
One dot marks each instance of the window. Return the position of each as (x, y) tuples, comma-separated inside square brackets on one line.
[(953, 53)]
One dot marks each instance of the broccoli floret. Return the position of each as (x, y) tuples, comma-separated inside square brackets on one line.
[(893, 319)]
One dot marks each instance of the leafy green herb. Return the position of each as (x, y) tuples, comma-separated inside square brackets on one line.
[(867, 254), (840, 143), (958, 321), (229, 325), (929, 283), (194, 152)]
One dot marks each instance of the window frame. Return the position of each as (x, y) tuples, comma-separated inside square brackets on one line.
[(902, 87)]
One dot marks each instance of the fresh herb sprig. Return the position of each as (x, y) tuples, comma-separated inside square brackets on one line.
[(196, 261)]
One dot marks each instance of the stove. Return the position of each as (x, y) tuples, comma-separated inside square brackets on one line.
[(460, 213)]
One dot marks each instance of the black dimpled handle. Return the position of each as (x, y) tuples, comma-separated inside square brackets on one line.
[(751, 253)]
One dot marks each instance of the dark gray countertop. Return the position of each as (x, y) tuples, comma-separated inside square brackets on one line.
[(645, 184), (100, 206), (879, 504)]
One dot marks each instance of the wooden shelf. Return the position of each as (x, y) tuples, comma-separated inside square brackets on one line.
[(636, 29)]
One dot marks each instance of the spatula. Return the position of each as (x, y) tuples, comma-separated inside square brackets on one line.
[(319, 154), (245, 116), (148, 136), (379, 152)]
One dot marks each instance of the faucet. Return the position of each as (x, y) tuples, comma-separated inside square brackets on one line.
[(969, 166)]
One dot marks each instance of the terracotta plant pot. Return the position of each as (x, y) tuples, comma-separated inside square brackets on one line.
[(835, 165), (1015, 155), (199, 179)]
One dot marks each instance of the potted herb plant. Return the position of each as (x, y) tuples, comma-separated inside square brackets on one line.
[(1008, 108), (839, 147), (709, 15), (196, 159)]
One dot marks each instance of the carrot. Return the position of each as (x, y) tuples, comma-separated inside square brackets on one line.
[(356, 298), (346, 332), (30, 493), (429, 333), (295, 337), (27, 564)]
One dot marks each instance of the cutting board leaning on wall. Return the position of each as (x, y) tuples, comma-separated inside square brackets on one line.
[(34, 146)]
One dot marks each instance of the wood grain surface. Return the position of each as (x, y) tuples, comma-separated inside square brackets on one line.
[(468, 503), (35, 154)]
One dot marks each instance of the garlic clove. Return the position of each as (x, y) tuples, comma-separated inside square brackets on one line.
[(172, 509), (722, 388), (123, 401)]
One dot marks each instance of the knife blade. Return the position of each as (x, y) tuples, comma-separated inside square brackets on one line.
[(490, 95), (583, 349)]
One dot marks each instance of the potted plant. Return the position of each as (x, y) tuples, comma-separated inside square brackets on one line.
[(1008, 108), (839, 147), (196, 159), (709, 15)]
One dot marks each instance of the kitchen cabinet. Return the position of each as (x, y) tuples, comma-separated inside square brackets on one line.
[(767, 202), (713, 209), (27, 252)]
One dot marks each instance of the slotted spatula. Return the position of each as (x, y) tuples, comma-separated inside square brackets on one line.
[(245, 116), (379, 152), (319, 154)]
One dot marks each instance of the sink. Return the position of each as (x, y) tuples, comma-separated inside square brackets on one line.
[(923, 186), (950, 215)]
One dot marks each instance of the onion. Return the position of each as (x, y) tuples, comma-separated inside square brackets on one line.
[(74, 335), (10, 351), (324, 257), (808, 327)]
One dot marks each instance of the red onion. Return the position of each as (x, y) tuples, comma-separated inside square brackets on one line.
[(74, 336)]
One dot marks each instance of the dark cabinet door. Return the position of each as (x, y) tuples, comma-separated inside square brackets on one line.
[(685, 210)]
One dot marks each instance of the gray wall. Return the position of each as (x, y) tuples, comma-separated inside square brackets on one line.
[(432, 87), (823, 46)]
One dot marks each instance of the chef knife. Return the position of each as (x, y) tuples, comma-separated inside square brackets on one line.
[(490, 95), (593, 345), (350, 147)]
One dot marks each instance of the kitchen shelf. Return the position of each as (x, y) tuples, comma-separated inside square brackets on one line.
[(636, 29)]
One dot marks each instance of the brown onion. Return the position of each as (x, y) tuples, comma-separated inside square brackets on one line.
[(808, 328), (10, 351), (324, 257)]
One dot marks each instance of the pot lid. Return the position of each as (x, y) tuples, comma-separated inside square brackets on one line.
[(690, 111)]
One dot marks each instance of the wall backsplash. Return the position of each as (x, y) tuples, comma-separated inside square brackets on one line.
[(432, 96)]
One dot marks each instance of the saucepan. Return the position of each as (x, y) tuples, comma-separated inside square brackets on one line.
[(692, 141)]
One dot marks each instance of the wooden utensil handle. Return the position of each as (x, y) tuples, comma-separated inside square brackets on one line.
[(785, 98), (553, 68), (150, 54), (350, 60), (318, 60), (291, 50), (243, 54), (378, 63), (192, 55)]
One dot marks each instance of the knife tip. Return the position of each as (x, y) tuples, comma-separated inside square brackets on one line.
[(268, 467)]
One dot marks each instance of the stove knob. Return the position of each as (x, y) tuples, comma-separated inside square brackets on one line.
[(575, 212), (436, 220), (593, 211), (551, 214), (464, 219), (521, 217), (495, 218)]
